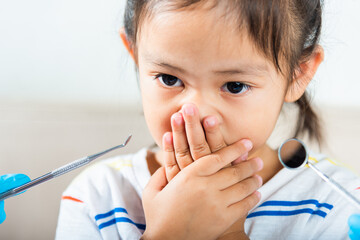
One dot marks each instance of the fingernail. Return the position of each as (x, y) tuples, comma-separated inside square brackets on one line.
[(259, 179), (189, 110), (247, 143), (167, 138), (210, 122), (244, 156), (258, 194), (259, 163), (236, 161), (240, 159), (177, 118)]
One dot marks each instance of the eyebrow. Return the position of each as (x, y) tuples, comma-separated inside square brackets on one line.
[(248, 69), (167, 65)]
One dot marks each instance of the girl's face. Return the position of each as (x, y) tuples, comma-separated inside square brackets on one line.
[(202, 58)]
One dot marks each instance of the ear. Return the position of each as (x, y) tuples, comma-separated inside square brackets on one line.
[(304, 75), (126, 43)]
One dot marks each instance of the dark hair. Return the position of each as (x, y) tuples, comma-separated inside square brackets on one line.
[(286, 31)]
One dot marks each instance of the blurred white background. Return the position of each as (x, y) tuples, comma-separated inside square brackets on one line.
[(69, 51), (68, 89)]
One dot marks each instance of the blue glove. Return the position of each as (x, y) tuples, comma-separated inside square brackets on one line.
[(354, 224), (7, 182)]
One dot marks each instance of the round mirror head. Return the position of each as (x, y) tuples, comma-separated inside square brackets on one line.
[(293, 154)]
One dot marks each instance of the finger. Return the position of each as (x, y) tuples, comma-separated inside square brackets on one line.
[(241, 190), (244, 206), (354, 222), (2, 212), (241, 159), (195, 132), (214, 137), (170, 164), (181, 146), (214, 162), (9, 181), (156, 183), (231, 175), (353, 235)]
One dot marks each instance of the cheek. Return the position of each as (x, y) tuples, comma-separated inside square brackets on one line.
[(157, 120), (157, 112), (255, 120)]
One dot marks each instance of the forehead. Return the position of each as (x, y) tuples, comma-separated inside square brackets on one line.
[(199, 36)]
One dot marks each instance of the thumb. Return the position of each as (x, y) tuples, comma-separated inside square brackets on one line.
[(157, 182), (9, 181)]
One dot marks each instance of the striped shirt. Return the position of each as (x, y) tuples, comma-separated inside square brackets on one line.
[(104, 202)]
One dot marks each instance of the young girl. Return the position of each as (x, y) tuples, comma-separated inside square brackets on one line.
[(214, 76)]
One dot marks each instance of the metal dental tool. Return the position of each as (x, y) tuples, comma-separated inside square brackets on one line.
[(293, 154), (58, 172)]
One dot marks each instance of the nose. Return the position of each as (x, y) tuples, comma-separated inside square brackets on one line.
[(206, 105)]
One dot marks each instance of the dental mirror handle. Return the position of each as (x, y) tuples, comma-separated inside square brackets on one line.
[(336, 186)]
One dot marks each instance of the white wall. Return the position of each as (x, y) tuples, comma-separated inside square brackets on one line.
[(69, 51), (338, 79), (64, 51)]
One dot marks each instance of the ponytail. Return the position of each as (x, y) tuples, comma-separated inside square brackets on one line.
[(308, 120)]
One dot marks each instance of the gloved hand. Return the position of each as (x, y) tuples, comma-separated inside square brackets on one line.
[(7, 182), (354, 224)]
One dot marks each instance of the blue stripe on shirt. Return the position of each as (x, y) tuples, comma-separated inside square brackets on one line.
[(296, 203), (287, 213), (291, 212), (121, 219), (105, 215), (116, 220)]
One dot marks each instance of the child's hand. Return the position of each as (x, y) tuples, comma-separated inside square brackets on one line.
[(204, 199), (187, 143)]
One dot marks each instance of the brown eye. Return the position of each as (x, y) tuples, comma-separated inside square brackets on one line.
[(169, 80), (235, 87)]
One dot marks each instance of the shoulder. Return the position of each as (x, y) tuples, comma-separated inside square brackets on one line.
[(306, 179), (337, 170), (340, 173), (302, 198), (306, 182), (105, 176), (105, 200)]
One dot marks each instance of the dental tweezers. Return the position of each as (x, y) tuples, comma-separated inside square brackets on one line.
[(58, 172)]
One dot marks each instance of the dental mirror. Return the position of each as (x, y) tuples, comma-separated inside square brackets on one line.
[(293, 154)]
